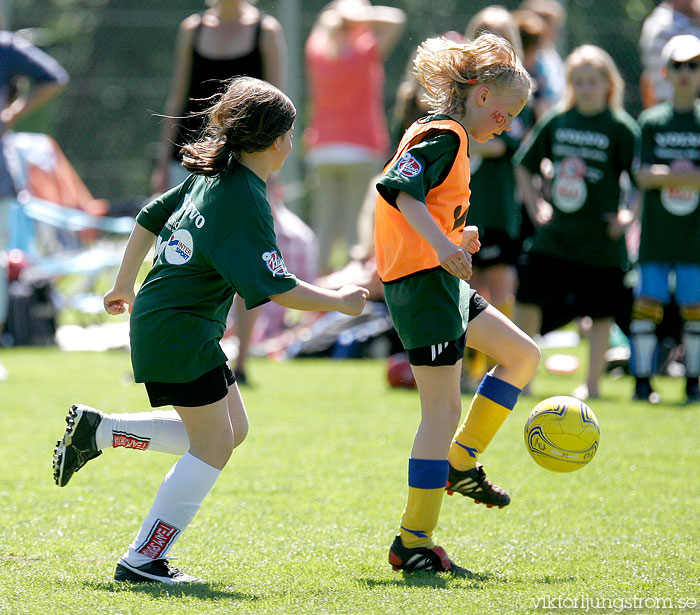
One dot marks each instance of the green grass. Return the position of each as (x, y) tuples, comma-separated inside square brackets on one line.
[(301, 520)]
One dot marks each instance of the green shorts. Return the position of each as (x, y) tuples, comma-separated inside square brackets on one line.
[(429, 307)]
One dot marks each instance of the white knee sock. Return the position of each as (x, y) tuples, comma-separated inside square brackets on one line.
[(177, 502), (643, 341), (691, 341), (158, 430)]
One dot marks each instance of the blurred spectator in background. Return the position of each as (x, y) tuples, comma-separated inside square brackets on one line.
[(670, 236), (410, 105), (531, 29), (43, 79), (497, 20), (229, 39), (576, 264), (494, 208), (670, 18), (347, 138), (553, 16), (411, 101)]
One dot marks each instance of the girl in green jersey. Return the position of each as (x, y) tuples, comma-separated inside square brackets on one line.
[(576, 263), (214, 238)]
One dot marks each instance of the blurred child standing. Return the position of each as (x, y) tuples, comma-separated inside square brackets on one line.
[(670, 233), (493, 205), (578, 258)]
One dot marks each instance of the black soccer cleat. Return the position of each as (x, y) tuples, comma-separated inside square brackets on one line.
[(156, 571), (77, 446), (692, 391), (423, 559), (474, 484)]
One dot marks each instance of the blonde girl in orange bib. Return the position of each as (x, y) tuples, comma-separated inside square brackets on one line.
[(424, 253)]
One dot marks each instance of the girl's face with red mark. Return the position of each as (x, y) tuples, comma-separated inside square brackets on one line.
[(492, 112)]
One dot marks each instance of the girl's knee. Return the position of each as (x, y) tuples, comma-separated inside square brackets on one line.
[(225, 443), (224, 448), (446, 414), (531, 355), (523, 362), (522, 356), (214, 449), (453, 416), (240, 432)]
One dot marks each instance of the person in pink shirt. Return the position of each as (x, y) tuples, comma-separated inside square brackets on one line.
[(347, 137)]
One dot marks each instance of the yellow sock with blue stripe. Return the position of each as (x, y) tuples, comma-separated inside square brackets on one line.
[(426, 488), (491, 406)]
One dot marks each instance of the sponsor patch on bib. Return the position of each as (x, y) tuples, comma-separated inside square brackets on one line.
[(409, 166), (275, 263)]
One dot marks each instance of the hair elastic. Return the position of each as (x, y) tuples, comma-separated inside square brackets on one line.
[(471, 81)]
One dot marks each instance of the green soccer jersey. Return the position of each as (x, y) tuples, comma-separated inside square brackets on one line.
[(492, 204), (436, 153), (215, 238), (671, 215), (589, 153)]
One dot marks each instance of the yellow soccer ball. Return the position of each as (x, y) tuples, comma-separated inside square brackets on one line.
[(562, 434)]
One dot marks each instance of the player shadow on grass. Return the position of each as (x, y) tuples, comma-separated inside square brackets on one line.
[(476, 581), (203, 591), (424, 579)]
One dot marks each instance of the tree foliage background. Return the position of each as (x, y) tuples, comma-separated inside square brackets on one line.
[(119, 54)]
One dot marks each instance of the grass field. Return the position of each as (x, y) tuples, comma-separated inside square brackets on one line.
[(301, 520)]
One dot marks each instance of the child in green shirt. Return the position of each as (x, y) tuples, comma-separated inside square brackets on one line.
[(214, 238)]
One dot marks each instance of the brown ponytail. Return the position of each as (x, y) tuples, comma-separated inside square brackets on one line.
[(248, 117)]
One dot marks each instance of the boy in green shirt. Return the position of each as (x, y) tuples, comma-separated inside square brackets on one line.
[(670, 220)]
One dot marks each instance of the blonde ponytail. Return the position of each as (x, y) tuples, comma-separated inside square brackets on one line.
[(447, 70)]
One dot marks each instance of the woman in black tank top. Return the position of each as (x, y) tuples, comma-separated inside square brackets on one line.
[(207, 79), (231, 38)]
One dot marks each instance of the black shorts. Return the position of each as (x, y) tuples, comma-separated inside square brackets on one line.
[(448, 353), (206, 389), (497, 248), (565, 290)]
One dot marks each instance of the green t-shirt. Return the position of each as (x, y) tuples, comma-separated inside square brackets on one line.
[(492, 204), (589, 153), (670, 216), (436, 153), (215, 238)]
